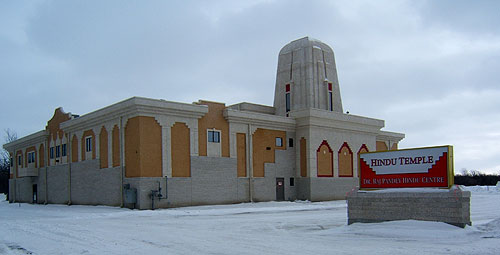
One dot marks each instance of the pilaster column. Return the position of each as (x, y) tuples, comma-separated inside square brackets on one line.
[(165, 145), (97, 133), (109, 129)]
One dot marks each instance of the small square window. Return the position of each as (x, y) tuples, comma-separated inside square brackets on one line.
[(292, 182), (88, 144), (63, 150), (51, 152), (279, 142), (290, 142), (213, 136)]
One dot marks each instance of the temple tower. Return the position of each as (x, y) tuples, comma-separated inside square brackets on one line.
[(306, 78)]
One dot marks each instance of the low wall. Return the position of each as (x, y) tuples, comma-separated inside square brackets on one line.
[(449, 206)]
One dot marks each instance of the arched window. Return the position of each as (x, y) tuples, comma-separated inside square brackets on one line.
[(324, 157), (345, 161)]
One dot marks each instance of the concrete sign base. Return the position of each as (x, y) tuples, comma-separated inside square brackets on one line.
[(451, 206)]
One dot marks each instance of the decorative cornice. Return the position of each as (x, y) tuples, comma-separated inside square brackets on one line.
[(29, 140), (334, 120), (390, 136), (260, 119), (134, 106)]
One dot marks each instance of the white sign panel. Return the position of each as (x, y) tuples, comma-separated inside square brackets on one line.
[(404, 161)]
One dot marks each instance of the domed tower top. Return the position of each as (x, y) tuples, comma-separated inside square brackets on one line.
[(306, 78)]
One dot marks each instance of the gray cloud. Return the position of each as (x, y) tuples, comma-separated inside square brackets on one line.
[(429, 68)]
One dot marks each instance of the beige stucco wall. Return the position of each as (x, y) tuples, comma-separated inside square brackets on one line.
[(181, 159), (264, 146)]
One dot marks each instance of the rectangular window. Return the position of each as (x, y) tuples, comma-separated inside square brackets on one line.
[(287, 98), (211, 136), (51, 152), (214, 136), (58, 151), (88, 144), (279, 142), (330, 95), (20, 160), (292, 182), (63, 150), (290, 142), (31, 157), (11, 162)]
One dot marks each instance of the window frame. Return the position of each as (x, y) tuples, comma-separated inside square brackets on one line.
[(280, 143), (58, 151), (288, 99), (211, 137), (31, 157), (330, 96), (64, 150), (88, 144), (287, 102)]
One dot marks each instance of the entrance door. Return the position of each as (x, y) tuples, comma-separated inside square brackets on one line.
[(280, 189), (35, 201)]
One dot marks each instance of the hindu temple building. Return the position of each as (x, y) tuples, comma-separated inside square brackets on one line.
[(150, 153)]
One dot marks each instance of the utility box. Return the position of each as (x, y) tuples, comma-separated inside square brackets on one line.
[(130, 195)]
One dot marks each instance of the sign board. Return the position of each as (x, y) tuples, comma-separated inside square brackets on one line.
[(409, 168)]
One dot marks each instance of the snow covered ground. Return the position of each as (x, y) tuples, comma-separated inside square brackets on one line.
[(249, 228)]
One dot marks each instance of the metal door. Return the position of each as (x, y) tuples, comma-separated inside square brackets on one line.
[(35, 191), (280, 189)]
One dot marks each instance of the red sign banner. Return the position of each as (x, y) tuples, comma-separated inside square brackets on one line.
[(409, 168)]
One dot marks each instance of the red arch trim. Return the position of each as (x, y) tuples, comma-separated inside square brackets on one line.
[(327, 145), (347, 146), (363, 147)]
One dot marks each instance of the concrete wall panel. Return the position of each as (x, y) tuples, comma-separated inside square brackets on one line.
[(331, 188), (57, 182), (93, 186)]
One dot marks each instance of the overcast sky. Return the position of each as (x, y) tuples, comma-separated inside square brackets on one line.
[(430, 69)]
